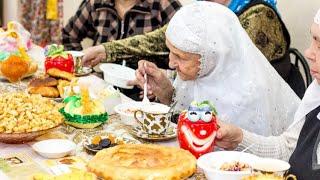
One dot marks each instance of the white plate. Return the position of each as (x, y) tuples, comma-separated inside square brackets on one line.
[(54, 148), (210, 163), (76, 53), (118, 75)]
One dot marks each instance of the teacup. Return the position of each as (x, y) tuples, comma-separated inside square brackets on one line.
[(154, 119), (77, 57), (276, 167)]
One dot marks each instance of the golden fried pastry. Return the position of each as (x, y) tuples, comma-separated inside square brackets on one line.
[(51, 92), (43, 82), (54, 72), (14, 68), (61, 85), (143, 161), (32, 69)]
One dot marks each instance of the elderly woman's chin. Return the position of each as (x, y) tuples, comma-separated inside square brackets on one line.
[(185, 77)]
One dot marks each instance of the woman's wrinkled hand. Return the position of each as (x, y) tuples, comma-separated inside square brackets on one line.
[(158, 83), (93, 55), (228, 136)]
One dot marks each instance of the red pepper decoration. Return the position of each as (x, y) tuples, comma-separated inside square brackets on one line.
[(56, 57), (197, 128)]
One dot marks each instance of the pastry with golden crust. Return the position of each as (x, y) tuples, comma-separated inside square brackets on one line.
[(61, 84), (54, 72), (143, 161), (51, 92), (43, 81)]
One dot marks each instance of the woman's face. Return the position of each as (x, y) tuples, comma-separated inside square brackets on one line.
[(313, 52), (186, 64)]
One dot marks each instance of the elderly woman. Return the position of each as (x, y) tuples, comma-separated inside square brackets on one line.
[(217, 61), (303, 149), (258, 17)]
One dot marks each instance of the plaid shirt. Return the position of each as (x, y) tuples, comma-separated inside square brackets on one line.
[(98, 20)]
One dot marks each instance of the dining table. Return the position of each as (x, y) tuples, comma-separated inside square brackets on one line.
[(33, 161)]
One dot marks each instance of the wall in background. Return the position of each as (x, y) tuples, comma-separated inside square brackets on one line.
[(298, 17), (10, 10)]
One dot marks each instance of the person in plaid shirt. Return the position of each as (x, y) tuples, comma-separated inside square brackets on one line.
[(107, 20)]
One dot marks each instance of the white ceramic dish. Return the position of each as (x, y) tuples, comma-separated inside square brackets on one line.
[(76, 53), (126, 110), (269, 165), (54, 148), (118, 75), (210, 163)]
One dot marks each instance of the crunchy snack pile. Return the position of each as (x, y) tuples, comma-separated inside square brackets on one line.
[(21, 112)]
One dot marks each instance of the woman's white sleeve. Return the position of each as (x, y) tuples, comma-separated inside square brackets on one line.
[(280, 147)]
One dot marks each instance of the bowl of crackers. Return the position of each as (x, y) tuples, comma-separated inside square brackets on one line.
[(24, 117)]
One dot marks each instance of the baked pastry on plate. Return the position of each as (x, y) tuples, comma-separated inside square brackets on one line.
[(143, 161)]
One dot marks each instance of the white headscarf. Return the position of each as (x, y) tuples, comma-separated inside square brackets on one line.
[(234, 74), (311, 98)]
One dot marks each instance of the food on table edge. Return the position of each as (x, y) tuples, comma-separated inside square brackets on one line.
[(142, 161)]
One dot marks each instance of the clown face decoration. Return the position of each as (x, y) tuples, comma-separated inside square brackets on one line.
[(197, 128)]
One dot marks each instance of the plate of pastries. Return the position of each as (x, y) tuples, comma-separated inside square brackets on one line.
[(143, 161), (23, 117), (59, 73)]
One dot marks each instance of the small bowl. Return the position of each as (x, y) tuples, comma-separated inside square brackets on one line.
[(54, 148), (210, 163), (118, 75), (127, 117)]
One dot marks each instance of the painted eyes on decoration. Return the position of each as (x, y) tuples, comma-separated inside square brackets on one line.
[(194, 116), (206, 116)]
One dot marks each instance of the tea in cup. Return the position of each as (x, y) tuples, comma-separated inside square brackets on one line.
[(154, 118)]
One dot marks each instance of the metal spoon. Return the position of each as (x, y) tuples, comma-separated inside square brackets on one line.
[(145, 89)]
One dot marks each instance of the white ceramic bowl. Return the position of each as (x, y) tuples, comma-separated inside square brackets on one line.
[(126, 110), (126, 116), (270, 165), (54, 148), (210, 163), (118, 75)]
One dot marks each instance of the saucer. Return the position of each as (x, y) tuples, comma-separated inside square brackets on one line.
[(85, 71), (169, 134)]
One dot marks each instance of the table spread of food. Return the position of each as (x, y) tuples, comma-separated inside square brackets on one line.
[(58, 125)]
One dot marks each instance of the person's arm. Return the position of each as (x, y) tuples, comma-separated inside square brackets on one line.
[(79, 26), (280, 147), (168, 9), (148, 44)]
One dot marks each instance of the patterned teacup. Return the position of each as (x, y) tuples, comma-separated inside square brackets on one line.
[(153, 122)]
